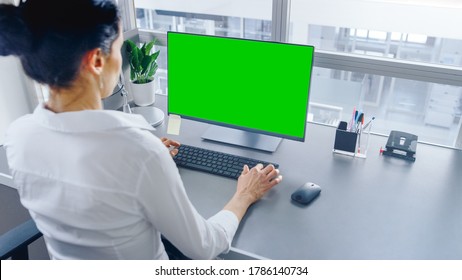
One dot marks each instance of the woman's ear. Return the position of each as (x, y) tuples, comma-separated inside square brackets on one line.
[(94, 60)]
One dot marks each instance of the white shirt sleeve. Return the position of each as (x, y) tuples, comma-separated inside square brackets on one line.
[(164, 201)]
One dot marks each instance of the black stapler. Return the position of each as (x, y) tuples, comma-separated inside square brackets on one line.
[(401, 145)]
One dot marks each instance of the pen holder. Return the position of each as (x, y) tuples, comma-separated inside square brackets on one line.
[(348, 142), (345, 141)]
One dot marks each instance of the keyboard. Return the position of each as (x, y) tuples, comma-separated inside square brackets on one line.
[(213, 162)]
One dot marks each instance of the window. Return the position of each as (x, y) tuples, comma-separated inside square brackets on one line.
[(430, 108), (218, 17), (411, 47), (407, 73)]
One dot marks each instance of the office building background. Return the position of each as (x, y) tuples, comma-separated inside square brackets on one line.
[(399, 61)]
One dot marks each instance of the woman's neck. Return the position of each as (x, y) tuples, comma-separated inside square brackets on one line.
[(75, 98)]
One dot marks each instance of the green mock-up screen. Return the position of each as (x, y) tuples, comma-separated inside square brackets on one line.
[(253, 85)]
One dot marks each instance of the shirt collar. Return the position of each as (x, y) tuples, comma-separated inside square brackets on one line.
[(88, 120)]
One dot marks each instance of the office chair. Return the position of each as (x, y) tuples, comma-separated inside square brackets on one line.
[(14, 243), (172, 252)]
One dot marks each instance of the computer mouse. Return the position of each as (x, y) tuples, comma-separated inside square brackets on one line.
[(306, 193)]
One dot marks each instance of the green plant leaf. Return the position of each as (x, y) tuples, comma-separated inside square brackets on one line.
[(155, 55), (153, 70), (146, 64), (130, 46), (149, 46), (143, 48), (137, 58), (143, 65)]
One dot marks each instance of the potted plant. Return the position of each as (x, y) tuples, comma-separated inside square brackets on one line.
[(143, 67)]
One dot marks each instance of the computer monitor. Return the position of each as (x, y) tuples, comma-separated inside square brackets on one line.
[(252, 92)]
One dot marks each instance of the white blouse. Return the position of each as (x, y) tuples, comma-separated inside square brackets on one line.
[(100, 185)]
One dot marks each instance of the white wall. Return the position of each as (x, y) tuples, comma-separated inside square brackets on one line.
[(14, 98)]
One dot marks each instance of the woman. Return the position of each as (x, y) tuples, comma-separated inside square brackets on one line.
[(98, 183)]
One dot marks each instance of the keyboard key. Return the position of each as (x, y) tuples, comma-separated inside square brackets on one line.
[(198, 166)]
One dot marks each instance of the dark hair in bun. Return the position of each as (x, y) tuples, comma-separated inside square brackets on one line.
[(51, 36), (14, 35)]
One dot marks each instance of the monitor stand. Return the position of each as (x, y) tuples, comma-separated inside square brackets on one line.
[(154, 116), (242, 138)]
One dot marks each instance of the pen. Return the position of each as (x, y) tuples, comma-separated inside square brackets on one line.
[(359, 130), (359, 122), (368, 123), (350, 125), (355, 119)]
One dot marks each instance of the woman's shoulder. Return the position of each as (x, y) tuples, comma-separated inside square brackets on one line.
[(21, 125)]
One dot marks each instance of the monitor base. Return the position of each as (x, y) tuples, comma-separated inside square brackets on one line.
[(242, 138), (154, 116)]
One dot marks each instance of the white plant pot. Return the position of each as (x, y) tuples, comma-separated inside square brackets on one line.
[(144, 94)]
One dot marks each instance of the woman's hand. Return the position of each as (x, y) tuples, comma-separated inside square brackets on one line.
[(252, 185), (171, 145)]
